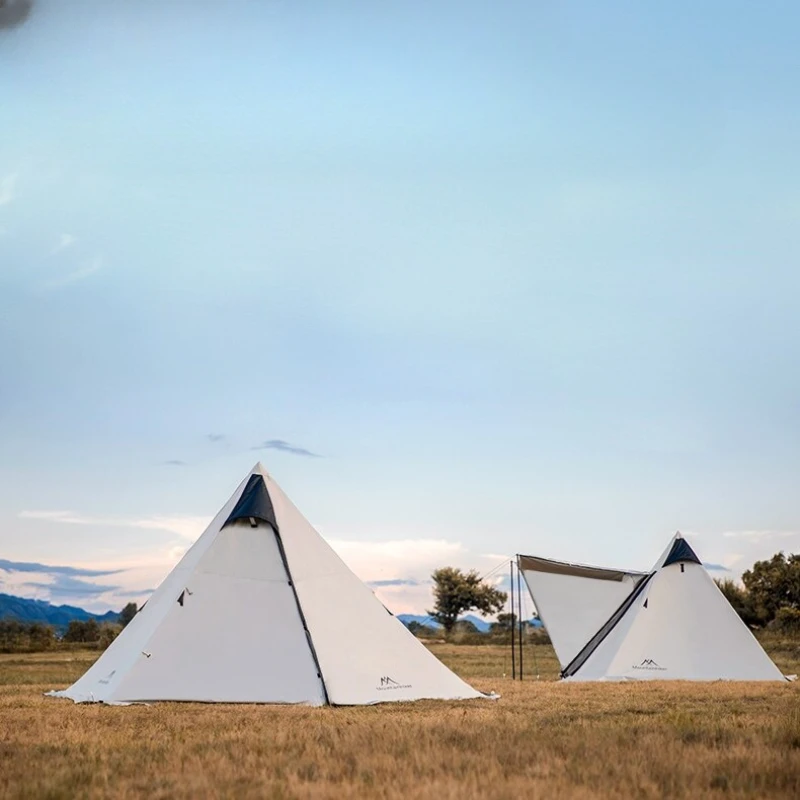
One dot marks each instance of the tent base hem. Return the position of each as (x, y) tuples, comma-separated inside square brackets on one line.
[(62, 695)]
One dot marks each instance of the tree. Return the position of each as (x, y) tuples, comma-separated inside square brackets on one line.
[(107, 635), (456, 592), (788, 620), (24, 637), (773, 584), (465, 626), (740, 599), (127, 614), (82, 631), (505, 622), (41, 636)]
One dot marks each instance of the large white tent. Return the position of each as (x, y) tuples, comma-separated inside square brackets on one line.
[(671, 623), (261, 610)]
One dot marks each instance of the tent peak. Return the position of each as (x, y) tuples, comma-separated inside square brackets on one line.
[(680, 551), (254, 503)]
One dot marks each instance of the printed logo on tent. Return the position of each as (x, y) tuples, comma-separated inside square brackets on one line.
[(390, 683), (649, 664), (108, 677)]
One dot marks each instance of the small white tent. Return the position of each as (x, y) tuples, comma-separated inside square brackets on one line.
[(672, 623), (261, 610)]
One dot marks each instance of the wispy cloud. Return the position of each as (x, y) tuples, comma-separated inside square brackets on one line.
[(187, 527), (14, 12), (62, 586), (400, 570), (58, 581), (76, 585), (135, 593), (65, 241), (7, 184), (398, 582), (215, 437), (174, 462), (285, 447), (32, 566), (759, 536), (715, 567), (88, 268)]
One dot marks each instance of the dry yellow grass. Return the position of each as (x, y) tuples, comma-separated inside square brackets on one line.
[(542, 739)]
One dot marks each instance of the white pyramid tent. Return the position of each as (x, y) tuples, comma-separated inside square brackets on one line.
[(671, 623), (261, 610)]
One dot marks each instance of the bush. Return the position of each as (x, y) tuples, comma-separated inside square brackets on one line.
[(787, 620), (85, 631), (21, 637), (128, 613), (107, 635), (773, 584), (740, 599), (422, 631)]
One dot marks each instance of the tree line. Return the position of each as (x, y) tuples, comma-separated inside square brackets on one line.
[(769, 594), (29, 637)]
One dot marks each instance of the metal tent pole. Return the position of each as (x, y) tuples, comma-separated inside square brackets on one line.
[(513, 635), (519, 618)]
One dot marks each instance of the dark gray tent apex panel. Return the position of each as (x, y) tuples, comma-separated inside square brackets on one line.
[(254, 503), (681, 551)]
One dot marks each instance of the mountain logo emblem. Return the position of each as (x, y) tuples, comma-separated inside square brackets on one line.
[(649, 664), (386, 683)]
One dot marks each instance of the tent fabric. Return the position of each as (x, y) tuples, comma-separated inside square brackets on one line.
[(596, 640), (270, 614), (674, 625), (537, 564), (573, 601)]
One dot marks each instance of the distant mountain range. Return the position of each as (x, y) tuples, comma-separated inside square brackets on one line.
[(25, 610), (481, 624)]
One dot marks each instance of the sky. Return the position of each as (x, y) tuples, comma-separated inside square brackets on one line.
[(470, 279)]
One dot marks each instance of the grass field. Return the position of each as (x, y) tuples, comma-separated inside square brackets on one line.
[(542, 739)]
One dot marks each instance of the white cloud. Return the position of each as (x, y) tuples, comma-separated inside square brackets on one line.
[(187, 527), (7, 189), (408, 562), (64, 241), (739, 550), (406, 558), (88, 268), (411, 561), (759, 536)]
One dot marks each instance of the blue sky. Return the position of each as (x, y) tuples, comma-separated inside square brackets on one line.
[(520, 276)]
